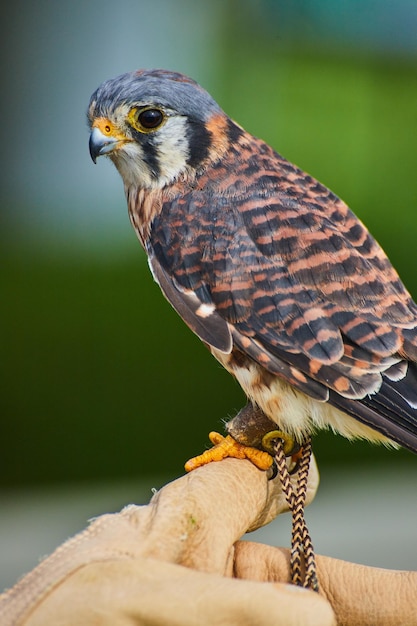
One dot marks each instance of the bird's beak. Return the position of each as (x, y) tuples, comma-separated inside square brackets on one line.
[(100, 144)]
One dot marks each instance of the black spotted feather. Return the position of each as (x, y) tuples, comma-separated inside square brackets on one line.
[(297, 278)]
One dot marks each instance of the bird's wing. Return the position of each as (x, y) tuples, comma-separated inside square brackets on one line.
[(304, 290), (193, 310)]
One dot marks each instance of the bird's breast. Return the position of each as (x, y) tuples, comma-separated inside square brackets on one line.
[(143, 206)]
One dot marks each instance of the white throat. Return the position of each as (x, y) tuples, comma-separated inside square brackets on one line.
[(171, 150)]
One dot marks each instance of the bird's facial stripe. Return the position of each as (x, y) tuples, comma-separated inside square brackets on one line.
[(109, 129), (150, 156), (200, 141)]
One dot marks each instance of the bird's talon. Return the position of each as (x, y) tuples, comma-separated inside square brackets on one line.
[(274, 471), (227, 447)]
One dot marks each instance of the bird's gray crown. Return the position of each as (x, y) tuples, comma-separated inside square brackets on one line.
[(168, 89)]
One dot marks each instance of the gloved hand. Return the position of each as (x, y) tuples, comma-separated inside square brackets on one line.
[(177, 561)]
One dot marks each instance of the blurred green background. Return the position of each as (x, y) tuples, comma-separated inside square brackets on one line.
[(99, 377)]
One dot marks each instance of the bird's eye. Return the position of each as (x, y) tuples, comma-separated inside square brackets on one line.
[(150, 118), (146, 120)]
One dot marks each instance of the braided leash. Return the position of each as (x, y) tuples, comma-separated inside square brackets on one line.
[(301, 545)]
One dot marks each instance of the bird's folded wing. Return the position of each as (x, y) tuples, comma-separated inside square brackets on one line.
[(320, 315)]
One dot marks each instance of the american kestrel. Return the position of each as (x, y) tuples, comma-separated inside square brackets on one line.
[(269, 268)]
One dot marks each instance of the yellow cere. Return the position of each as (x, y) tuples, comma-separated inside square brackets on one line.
[(107, 127)]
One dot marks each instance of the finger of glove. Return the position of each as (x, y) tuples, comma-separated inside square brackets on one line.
[(141, 592), (360, 595)]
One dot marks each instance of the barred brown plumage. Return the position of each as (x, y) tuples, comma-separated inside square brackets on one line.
[(265, 264)]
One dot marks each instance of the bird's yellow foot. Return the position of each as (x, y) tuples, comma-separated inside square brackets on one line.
[(225, 447)]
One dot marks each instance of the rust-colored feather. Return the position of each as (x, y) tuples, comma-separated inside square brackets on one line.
[(288, 265)]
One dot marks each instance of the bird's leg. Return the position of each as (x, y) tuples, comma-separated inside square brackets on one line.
[(244, 441), (251, 435), (252, 427)]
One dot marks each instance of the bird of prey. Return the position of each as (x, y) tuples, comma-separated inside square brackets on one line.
[(270, 269)]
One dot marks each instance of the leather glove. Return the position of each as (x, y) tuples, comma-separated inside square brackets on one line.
[(178, 561)]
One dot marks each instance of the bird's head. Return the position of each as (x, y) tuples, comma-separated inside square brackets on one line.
[(154, 125)]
